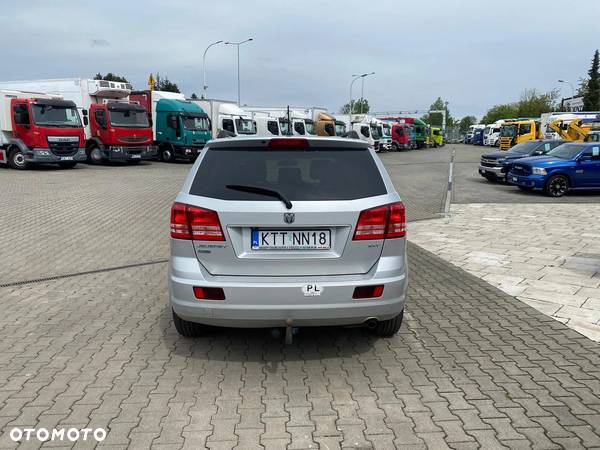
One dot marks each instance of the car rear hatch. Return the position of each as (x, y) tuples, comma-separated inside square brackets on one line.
[(326, 189)]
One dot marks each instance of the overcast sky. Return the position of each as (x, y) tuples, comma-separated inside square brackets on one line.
[(473, 54)]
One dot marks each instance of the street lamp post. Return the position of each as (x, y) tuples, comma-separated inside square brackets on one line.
[(356, 77), (238, 62), (204, 86), (572, 90)]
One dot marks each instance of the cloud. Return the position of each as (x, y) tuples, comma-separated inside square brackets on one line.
[(99, 43), (304, 53)]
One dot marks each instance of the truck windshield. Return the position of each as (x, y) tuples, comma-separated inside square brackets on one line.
[(340, 128), (375, 132), (128, 118), (386, 130), (508, 131), (245, 126), (310, 126), (196, 123), (55, 116), (566, 151)]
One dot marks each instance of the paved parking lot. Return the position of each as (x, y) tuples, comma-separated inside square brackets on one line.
[(472, 366)]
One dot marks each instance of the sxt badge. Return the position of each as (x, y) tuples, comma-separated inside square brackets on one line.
[(311, 290)]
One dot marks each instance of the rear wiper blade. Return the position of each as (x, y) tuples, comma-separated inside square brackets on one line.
[(259, 190)]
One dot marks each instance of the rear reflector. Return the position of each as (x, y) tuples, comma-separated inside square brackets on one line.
[(288, 143), (209, 293), (368, 291), (381, 222), (194, 223)]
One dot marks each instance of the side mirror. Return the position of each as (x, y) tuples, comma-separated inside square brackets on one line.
[(84, 112), (85, 120)]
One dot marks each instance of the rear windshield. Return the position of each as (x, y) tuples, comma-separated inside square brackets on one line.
[(315, 174)]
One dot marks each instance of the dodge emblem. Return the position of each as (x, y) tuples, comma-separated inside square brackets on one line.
[(289, 217)]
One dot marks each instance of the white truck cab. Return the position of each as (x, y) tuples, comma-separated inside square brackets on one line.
[(491, 134), (227, 116)]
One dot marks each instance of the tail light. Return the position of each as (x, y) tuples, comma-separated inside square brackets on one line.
[(381, 222), (194, 223)]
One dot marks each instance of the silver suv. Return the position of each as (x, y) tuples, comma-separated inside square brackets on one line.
[(287, 232)]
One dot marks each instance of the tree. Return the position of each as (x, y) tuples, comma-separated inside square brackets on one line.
[(436, 119), (110, 77), (591, 99), (360, 106), (194, 96), (531, 104), (497, 112), (164, 84), (466, 122)]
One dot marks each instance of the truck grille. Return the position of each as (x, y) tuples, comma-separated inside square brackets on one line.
[(64, 148), (198, 142), (133, 138), (486, 162), (520, 169)]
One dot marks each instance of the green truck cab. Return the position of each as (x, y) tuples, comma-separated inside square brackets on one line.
[(181, 128)]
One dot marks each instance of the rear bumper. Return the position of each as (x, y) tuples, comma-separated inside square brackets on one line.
[(44, 155), (255, 302), (528, 181), (129, 153)]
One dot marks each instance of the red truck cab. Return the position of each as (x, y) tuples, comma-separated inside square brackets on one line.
[(401, 139), (119, 132), (42, 130)]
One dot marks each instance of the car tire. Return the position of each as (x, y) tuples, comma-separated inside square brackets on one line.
[(526, 188), (67, 164), (94, 155), (166, 153), (556, 186), (16, 159), (388, 328), (188, 329)]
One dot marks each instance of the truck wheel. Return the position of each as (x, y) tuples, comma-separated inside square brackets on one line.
[(388, 328), (188, 329), (557, 186), (395, 147), (67, 164), (94, 155), (166, 153), (16, 159)]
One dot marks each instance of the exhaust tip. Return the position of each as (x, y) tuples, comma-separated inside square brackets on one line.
[(371, 323)]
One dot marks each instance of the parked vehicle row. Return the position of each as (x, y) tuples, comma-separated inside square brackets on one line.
[(552, 166), (506, 133)]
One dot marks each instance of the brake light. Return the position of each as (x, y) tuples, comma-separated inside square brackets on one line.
[(381, 222), (194, 223), (288, 143)]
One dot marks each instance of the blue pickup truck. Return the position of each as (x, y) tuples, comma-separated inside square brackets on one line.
[(568, 166), (495, 165)]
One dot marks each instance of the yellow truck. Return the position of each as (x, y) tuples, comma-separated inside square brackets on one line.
[(573, 130), (437, 137), (327, 125), (515, 131)]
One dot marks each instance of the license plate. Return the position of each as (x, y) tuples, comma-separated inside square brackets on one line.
[(291, 239), (136, 156), (66, 158)]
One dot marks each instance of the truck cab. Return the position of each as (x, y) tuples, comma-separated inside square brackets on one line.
[(477, 137), (401, 136), (437, 137), (515, 131), (40, 129), (121, 132)]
